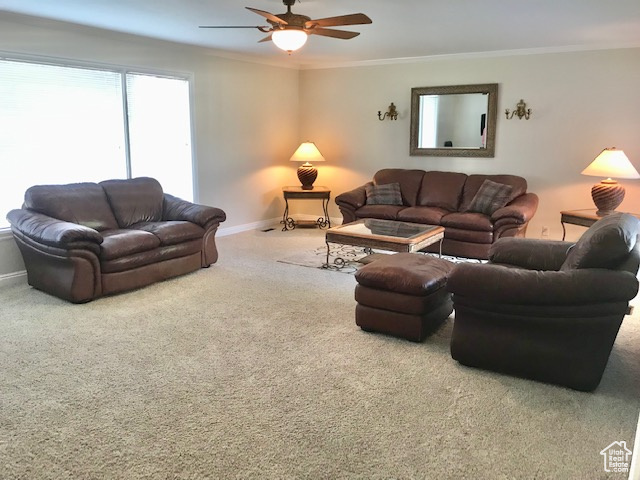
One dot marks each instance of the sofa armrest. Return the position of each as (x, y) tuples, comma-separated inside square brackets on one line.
[(515, 286), (350, 201), (529, 253), (353, 199), (51, 231), (175, 208), (520, 210)]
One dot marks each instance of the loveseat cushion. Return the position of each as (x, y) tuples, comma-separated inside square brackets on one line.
[(120, 243), (605, 244), (134, 200), (424, 215), (442, 189), (171, 232), (474, 182), (156, 255), (409, 180), (82, 203)]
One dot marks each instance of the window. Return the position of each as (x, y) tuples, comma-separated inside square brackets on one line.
[(64, 124), (429, 121)]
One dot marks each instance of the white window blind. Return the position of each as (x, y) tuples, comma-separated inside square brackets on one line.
[(160, 131), (65, 124)]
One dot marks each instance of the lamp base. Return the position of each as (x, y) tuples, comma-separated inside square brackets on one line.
[(607, 196), (307, 174)]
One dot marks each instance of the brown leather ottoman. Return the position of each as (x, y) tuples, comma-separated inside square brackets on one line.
[(403, 295)]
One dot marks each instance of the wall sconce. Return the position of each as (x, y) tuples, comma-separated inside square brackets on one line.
[(521, 111), (391, 114)]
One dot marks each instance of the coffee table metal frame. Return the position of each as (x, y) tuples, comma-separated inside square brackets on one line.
[(429, 235)]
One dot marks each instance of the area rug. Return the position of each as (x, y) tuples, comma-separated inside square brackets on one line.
[(348, 259)]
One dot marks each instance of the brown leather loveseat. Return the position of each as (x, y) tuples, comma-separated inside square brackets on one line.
[(84, 240), (447, 199)]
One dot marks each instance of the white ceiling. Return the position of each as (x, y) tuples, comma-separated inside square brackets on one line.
[(400, 29)]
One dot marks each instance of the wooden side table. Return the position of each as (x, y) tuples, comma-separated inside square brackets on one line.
[(584, 218), (297, 193)]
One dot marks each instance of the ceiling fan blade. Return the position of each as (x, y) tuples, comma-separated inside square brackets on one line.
[(265, 39), (267, 15), (231, 26), (354, 19), (327, 32)]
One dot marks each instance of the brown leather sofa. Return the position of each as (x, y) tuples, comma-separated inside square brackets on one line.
[(442, 198), (547, 310), (84, 240)]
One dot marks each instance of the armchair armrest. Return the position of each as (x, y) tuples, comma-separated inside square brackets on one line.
[(175, 208), (51, 231), (520, 210), (500, 284), (529, 253)]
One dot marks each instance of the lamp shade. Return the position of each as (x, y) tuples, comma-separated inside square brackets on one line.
[(608, 194), (611, 163), (289, 39), (307, 152)]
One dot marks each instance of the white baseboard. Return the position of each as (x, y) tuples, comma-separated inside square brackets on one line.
[(224, 231), (13, 278)]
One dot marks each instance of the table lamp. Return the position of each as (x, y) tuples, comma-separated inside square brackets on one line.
[(307, 152), (608, 194)]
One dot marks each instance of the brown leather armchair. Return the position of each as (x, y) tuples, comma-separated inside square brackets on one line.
[(547, 310)]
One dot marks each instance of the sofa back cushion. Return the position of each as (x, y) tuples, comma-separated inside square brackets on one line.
[(474, 182), (409, 180), (606, 244), (82, 203), (441, 189), (134, 200)]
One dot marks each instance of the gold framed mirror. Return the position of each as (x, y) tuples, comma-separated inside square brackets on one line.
[(454, 120)]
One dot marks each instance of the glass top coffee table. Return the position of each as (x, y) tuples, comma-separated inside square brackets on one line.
[(390, 235)]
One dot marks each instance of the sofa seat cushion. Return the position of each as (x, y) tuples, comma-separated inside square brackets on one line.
[(468, 221), (119, 243), (171, 232), (152, 256), (384, 212), (425, 215), (468, 236)]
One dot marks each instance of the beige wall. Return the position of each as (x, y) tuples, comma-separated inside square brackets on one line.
[(582, 102), (250, 117), (245, 114)]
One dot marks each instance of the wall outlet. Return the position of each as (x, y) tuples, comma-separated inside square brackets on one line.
[(545, 231)]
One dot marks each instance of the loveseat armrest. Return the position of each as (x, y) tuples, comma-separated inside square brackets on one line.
[(175, 208), (505, 285), (529, 253), (520, 210), (51, 231), (350, 201)]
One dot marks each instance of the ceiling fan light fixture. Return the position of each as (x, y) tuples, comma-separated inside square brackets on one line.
[(289, 39)]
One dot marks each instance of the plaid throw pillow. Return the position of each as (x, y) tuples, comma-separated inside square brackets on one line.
[(490, 197), (387, 194)]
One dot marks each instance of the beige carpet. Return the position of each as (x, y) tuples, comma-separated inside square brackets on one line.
[(255, 369)]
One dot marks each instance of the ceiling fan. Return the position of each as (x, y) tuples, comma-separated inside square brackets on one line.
[(290, 31)]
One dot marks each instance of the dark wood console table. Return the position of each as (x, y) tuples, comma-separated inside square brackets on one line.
[(297, 193), (585, 218)]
